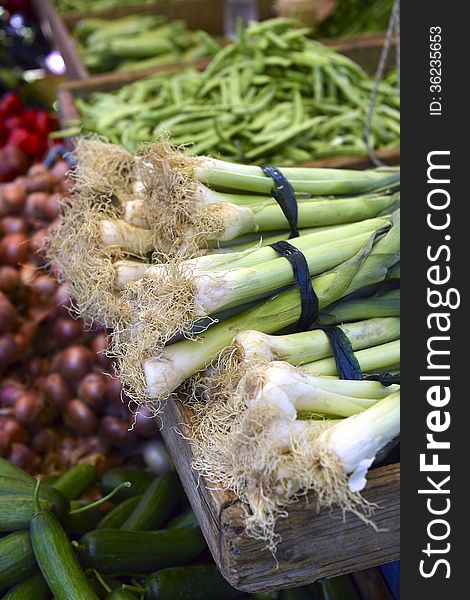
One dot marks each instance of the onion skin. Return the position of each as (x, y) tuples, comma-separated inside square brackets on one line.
[(8, 351), (14, 249)]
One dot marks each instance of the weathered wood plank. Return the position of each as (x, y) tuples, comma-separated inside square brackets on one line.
[(314, 545)]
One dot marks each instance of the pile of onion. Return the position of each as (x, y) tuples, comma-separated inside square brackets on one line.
[(59, 399)]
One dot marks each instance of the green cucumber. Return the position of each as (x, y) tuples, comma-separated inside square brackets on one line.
[(186, 519), (17, 511), (197, 582), (16, 558), (33, 587), (56, 559), (16, 487), (156, 504), (117, 515), (76, 481), (117, 550), (9, 470), (139, 479)]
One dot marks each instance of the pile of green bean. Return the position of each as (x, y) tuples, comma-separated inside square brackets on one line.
[(139, 42), (273, 96), (64, 6)]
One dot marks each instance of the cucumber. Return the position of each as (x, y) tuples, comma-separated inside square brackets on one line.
[(156, 504), (16, 487), (56, 559), (198, 582), (33, 587), (16, 558), (139, 479), (186, 519), (17, 511), (76, 481), (117, 515), (117, 550), (9, 470)]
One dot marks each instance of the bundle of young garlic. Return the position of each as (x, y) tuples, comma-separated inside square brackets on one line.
[(172, 252)]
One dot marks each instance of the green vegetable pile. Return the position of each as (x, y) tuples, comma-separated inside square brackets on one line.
[(64, 6), (54, 544), (140, 42), (274, 96)]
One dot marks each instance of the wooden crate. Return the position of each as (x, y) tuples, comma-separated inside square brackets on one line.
[(314, 545), (198, 14), (68, 92)]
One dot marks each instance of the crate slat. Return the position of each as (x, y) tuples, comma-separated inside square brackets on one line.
[(314, 545)]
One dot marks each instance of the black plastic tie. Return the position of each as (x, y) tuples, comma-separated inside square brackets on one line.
[(284, 195)]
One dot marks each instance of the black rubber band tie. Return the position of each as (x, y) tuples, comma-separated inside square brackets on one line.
[(284, 195), (308, 298), (347, 364), (385, 379)]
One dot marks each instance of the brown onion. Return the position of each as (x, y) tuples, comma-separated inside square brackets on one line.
[(14, 431), (44, 440), (80, 417), (36, 243), (28, 408), (75, 362), (22, 456), (28, 272), (14, 249), (113, 390), (36, 367), (62, 299), (92, 389), (144, 422), (67, 330), (60, 170), (57, 390)]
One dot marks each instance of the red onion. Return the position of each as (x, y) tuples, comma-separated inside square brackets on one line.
[(99, 345), (8, 350), (36, 243), (39, 179), (28, 272), (28, 408), (36, 367), (8, 314), (145, 424), (9, 279), (62, 299), (35, 207), (14, 249), (92, 389), (13, 225), (60, 170), (80, 417), (10, 391), (67, 330), (44, 440), (116, 431), (75, 362), (113, 390), (43, 286), (13, 430), (56, 390), (14, 196), (52, 206), (22, 457)]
